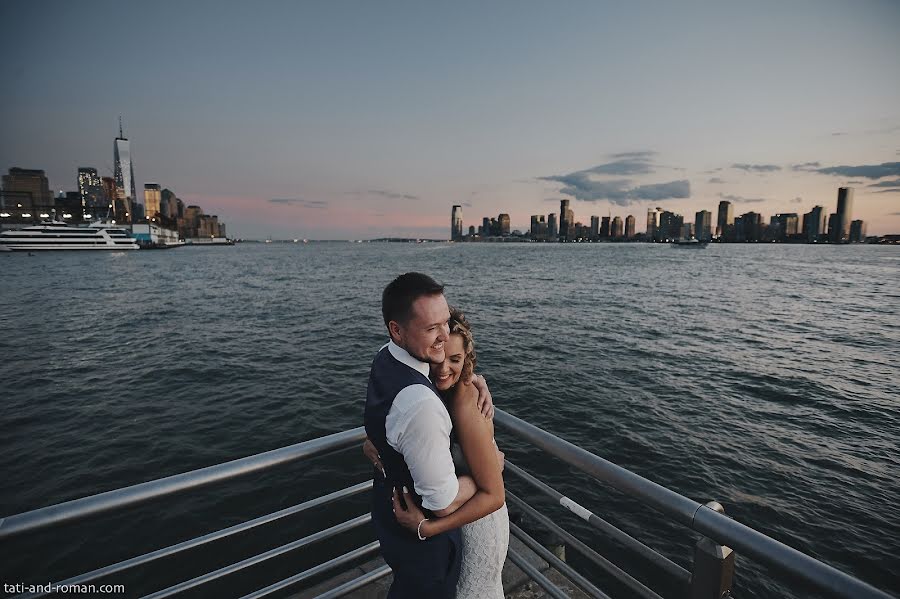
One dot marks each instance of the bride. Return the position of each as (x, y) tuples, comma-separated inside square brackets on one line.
[(485, 541)]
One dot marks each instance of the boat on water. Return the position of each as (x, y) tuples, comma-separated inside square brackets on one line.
[(62, 236), (694, 243)]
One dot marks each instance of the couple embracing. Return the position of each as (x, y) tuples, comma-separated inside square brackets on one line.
[(438, 502)]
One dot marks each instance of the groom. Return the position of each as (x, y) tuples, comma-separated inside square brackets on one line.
[(408, 424)]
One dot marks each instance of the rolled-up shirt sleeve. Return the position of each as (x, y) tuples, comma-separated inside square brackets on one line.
[(418, 426)]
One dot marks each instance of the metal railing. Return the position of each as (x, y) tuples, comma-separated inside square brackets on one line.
[(710, 577)]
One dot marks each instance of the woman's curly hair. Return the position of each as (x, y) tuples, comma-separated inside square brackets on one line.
[(460, 326)]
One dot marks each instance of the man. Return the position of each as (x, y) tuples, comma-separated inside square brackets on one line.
[(410, 428)]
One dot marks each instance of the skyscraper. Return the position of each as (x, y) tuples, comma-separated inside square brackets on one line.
[(503, 219), (152, 200), (653, 215), (617, 228), (604, 227), (857, 231), (552, 227), (595, 228), (90, 187), (124, 168), (725, 218), (670, 226), (844, 213), (456, 223), (566, 220), (629, 226), (814, 224), (703, 225)]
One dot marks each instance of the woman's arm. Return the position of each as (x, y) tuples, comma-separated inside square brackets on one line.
[(476, 437)]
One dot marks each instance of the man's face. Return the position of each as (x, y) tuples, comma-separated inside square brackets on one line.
[(426, 332)]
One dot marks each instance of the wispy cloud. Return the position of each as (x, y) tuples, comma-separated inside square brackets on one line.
[(318, 204), (867, 171), (855, 183), (467, 204), (894, 183), (392, 195), (740, 199), (806, 166), (838, 133), (894, 190), (582, 186), (756, 168), (893, 213), (716, 180), (797, 200)]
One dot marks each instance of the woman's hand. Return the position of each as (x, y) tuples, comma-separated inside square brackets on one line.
[(411, 517), (485, 402), (371, 453)]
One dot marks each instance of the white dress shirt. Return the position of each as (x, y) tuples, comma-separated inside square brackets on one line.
[(418, 426)]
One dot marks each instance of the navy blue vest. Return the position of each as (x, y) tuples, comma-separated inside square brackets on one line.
[(421, 568)]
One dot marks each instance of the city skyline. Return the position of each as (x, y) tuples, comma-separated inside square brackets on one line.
[(616, 109)]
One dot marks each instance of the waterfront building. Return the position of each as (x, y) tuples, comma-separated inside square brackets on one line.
[(783, 227), (703, 225), (617, 230), (124, 168), (604, 227), (725, 218), (564, 221), (670, 226), (653, 216), (28, 189), (552, 227), (814, 226), (834, 228), (748, 227), (90, 186), (629, 226), (471, 230), (486, 227), (456, 223), (538, 227), (844, 213), (503, 220), (687, 231), (152, 200), (595, 228), (857, 231)]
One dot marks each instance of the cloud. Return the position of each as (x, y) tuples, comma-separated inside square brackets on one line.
[(837, 133), (717, 180), (894, 190), (467, 204), (867, 171), (797, 201), (392, 195), (318, 204), (893, 214), (646, 154), (619, 191), (756, 168), (806, 166), (854, 183), (741, 199), (894, 183)]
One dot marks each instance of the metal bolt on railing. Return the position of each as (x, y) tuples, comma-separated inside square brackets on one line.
[(713, 566)]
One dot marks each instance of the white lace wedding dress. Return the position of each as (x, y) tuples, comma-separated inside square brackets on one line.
[(484, 545)]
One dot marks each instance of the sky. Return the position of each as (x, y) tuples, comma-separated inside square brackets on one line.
[(359, 120)]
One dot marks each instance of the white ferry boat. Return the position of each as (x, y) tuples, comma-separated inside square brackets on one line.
[(60, 236)]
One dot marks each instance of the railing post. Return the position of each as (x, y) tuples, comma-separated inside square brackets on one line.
[(713, 566)]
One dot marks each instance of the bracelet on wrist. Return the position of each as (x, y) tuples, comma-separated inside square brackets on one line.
[(419, 529)]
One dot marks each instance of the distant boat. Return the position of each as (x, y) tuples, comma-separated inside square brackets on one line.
[(61, 236), (693, 243)]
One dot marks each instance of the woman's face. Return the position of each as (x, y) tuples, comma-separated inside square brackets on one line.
[(446, 374)]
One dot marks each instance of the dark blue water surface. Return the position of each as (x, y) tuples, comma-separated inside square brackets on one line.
[(764, 376)]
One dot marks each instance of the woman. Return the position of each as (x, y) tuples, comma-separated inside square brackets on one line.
[(475, 453)]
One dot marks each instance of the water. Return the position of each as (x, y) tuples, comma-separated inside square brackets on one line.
[(764, 377)]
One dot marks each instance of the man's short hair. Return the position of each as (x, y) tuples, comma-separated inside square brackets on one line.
[(399, 295)]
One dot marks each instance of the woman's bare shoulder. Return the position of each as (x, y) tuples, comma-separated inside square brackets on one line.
[(464, 396)]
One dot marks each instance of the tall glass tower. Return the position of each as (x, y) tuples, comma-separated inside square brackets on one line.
[(124, 167)]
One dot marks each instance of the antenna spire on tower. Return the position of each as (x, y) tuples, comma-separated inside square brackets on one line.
[(121, 135)]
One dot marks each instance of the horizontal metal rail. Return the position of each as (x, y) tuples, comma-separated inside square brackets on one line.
[(696, 516), (258, 559), (213, 536), (598, 560), (77, 509), (536, 575), (364, 551), (563, 568), (356, 583), (648, 553)]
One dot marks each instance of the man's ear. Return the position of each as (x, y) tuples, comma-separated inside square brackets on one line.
[(395, 331)]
